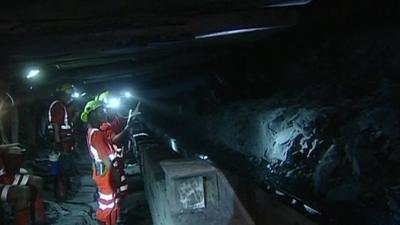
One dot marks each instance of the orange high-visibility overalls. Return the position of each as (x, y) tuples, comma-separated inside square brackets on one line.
[(100, 149), (8, 179), (110, 130)]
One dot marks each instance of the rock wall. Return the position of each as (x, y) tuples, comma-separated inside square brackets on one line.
[(311, 139), (326, 128), (331, 134), (313, 111)]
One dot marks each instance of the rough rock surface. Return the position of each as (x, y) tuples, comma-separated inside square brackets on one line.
[(322, 125), (339, 152)]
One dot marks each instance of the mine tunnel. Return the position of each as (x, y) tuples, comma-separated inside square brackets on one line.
[(213, 112)]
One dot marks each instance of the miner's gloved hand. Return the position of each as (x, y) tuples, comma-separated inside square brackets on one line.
[(132, 116), (116, 177), (6, 147), (16, 150)]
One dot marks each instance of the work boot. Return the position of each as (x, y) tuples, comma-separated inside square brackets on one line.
[(40, 212), (22, 217)]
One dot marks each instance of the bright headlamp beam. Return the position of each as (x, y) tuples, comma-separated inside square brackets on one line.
[(203, 157), (128, 94), (114, 103), (32, 73), (76, 95)]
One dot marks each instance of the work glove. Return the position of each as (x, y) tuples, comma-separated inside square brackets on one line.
[(4, 147), (116, 177), (16, 150), (132, 116)]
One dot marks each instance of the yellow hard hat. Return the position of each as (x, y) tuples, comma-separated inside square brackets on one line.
[(103, 97), (89, 107), (65, 88)]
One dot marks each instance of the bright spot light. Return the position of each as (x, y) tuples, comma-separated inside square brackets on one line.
[(173, 145), (311, 210), (203, 157), (32, 73), (232, 32), (76, 95), (114, 103), (128, 94), (83, 94)]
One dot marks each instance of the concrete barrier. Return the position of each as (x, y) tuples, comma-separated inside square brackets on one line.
[(188, 192)]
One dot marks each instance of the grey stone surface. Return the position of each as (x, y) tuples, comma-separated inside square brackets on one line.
[(72, 220), (92, 205), (179, 184), (77, 209), (345, 192), (87, 189), (82, 197), (86, 181), (324, 169)]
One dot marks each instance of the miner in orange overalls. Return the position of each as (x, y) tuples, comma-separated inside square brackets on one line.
[(19, 189), (61, 134), (117, 130), (103, 156)]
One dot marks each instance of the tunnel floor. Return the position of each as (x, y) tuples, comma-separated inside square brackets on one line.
[(80, 206)]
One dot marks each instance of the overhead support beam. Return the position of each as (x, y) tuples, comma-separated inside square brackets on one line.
[(286, 3), (53, 39), (50, 10), (95, 61)]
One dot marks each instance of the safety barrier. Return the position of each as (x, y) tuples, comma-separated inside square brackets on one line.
[(188, 192)]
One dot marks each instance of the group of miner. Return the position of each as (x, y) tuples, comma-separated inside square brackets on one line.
[(107, 132)]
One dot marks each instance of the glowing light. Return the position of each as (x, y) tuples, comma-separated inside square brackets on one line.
[(114, 103), (203, 157), (231, 32), (289, 3), (174, 145), (32, 73), (76, 95), (128, 94), (311, 210)]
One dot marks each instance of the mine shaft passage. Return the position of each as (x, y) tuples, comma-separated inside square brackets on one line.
[(212, 112)]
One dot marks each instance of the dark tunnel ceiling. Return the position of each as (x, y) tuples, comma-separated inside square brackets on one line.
[(91, 41), (87, 40)]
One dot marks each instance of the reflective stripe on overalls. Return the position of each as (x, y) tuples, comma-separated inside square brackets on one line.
[(64, 126), (119, 164)]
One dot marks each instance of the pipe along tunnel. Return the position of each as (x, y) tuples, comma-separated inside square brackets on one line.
[(209, 112)]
